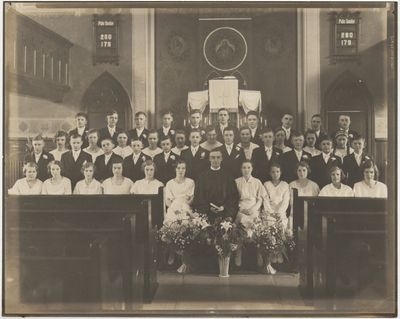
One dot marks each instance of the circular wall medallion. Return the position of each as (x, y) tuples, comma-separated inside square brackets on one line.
[(225, 49)]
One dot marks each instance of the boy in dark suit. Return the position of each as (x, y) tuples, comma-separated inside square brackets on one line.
[(232, 154), (81, 128), (140, 131), (132, 165), (166, 129), (165, 161), (223, 123), (352, 163), (40, 157), (194, 124), (287, 123), (104, 162), (111, 131), (344, 122), (316, 124), (291, 159), (322, 163), (252, 121), (265, 155), (74, 159), (195, 156)]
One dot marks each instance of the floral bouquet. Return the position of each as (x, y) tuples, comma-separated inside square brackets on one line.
[(226, 236)]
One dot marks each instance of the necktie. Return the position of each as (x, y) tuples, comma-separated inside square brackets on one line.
[(135, 159), (269, 153), (358, 159), (229, 150), (166, 158), (106, 159), (194, 151), (75, 156)]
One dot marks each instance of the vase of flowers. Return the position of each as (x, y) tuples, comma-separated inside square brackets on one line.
[(223, 263)]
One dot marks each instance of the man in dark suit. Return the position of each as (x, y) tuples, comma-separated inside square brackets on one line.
[(166, 130), (291, 159), (232, 154), (344, 122), (74, 159), (195, 156), (322, 163), (194, 124), (287, 123), (252, 120), (165, 162), (132, 165), (316, 126), (40, 157), (140, 131), (111, 131), (81, 128), (223, 122), (352, 163), (104, 162), (265, 155)]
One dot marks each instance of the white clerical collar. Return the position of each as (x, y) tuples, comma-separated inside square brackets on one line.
[(215, 169), (81, 130)]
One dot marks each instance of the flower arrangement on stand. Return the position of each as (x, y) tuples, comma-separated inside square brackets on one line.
[(180, 234)]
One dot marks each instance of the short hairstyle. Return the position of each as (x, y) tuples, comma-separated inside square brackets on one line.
[(279, 129), (196, 111), (152, 131), (316, 115), (108, 139), (55, 162), (180, 132), (177, 162), (252, 113), (140, 113), (123, 132), (370, 164), (87, 165), (210, 128), (243, 128), (343, 115), (335, 168), (136, 140), (149, 162), (229, 128), (111, 112), (310, 131), (195, 130), (247, 162), (267, 130), (223, 109), (326, 138), (164, 138), (60, 134), (76, 135), (296, 134), (276, 165), (359, 137), (38, 137), (118, 160), (167, 112), (305, 165), (92, 131), (287, 113), (81, 114), (29, 164), (215, 151)]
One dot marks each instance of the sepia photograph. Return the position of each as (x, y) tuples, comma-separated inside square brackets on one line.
[(211, 159)]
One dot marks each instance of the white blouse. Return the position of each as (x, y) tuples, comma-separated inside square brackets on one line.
[(82, 188), (312, 150), (151, 153), (331, 191), (21, 187), (277, 197), (311, 188), (146, 187), (250, 192), (123, 151), (57, 154), (111, 188), (248, 152), (179, 192), (379, 190), (62, 188), (94, 154)]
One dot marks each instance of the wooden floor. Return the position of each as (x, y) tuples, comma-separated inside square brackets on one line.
[(239, 293)]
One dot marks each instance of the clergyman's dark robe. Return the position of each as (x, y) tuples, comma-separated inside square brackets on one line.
[(219, 188)]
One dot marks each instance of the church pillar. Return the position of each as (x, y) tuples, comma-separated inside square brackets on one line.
[(143, 63), (308, 66)]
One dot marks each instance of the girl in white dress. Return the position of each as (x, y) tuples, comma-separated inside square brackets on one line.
[(310, 138), (336, 188), (29, 185), (275, 203), (304, 186), (153, 149), (123, 149), (118, 184), (148, 185), (93, 148), (369, 186), (89, 185), (60, 139), (56, 184), (280, 136), (251, 195)]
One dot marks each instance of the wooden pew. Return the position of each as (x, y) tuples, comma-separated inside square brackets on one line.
[(79, 253), (355, 216)]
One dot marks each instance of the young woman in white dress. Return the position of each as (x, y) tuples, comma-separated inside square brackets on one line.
[(30, 184), (370, 186), (148, 185), (153, 149), (117, 184), (93, 148), (123, 149), (310, 138), (60, 139), (280, 136), (304, 186), (89, 185), (276, 203), (57, 184), (251, 195), (336, 188)]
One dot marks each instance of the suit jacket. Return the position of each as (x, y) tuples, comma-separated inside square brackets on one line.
[(44, 160), (320, 169), (132, 134), (161, 135), (195, 164), (132, 170), (289, 162), (72, 169), (165, 171), (104, 171), (261, 164), (85, 141), (231, 164), (104, 133), (187, 130), (257, 139), (352, 170), (220, 134), (351, 135), (288, 142), (321, 136)]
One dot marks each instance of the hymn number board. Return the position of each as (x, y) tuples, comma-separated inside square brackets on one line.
[(105, 38), (345, 35)]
